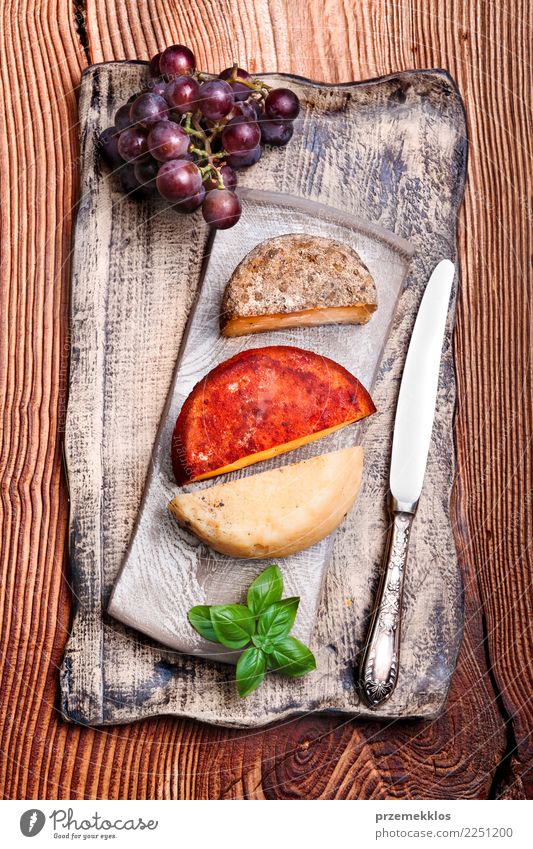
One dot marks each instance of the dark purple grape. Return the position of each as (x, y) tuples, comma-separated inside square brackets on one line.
[(176, 60), (228, 72), (244, 160), (108, 147), (157, 86), (229, 178), (221, 209), (240, 91), (215, 99), (178, 180), (247, 110), (132, 144), (154, 68), (123, 117), (276, 133), (148, 110), (239, 135), (282, 105), (192, 203), (189, 156), (255, 106), (129, 183), (145, 173), (167, 140), (182, 94)]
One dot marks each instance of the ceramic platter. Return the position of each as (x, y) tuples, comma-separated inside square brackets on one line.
[(379, 165)]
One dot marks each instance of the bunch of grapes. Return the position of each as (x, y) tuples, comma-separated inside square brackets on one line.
[(187, 135)]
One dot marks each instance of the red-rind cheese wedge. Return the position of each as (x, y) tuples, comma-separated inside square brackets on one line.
[(260, 403)]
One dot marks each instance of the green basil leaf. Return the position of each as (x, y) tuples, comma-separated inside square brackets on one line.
[(290, 657), (258, 641), (200, 619), (278, 619), (265, 589), (263, 643), (251, 668), (233, 624)]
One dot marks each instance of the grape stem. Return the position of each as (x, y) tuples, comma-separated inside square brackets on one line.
[(197, 132), (198, 128), (215, 131), (204, 153), (254, 84)]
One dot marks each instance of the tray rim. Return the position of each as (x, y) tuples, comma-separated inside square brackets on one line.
[(444, 72)]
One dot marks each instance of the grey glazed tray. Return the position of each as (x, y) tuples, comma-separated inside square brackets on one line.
[(392, 151), (166, 571)]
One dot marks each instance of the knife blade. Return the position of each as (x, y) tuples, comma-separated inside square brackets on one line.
[(413, 424), (415, 409)]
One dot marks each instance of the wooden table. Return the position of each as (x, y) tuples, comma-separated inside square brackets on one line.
[(483, 744)]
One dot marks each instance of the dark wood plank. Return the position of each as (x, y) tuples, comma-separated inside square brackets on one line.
[(40, 64), (487, 49)]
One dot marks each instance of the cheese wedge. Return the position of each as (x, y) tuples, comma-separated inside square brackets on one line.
[(297, 280), (274, 513), (260, 403)]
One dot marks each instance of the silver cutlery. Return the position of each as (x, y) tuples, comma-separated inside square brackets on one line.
[(413, 425)]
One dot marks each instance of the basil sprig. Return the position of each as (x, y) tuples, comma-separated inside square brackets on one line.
[(265, 622)]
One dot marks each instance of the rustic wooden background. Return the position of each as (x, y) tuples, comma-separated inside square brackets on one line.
[(483, 744)]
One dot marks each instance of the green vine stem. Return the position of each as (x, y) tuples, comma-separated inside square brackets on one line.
[(198, 133), (204, 154)]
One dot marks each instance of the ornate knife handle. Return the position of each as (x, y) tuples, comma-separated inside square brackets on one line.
[(379, 669)]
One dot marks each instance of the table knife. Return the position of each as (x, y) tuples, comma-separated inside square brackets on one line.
[(413, 424)]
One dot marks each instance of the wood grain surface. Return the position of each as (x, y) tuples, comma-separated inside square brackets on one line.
[(482, 745)]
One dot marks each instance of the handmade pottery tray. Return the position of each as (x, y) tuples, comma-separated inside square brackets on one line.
[(391, 151)]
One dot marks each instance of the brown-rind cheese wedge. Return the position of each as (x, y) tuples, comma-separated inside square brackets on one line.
[(274, 513), (260, 403), (297, 280)]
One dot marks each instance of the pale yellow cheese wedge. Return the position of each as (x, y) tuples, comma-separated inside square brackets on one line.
[(274, 513)]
